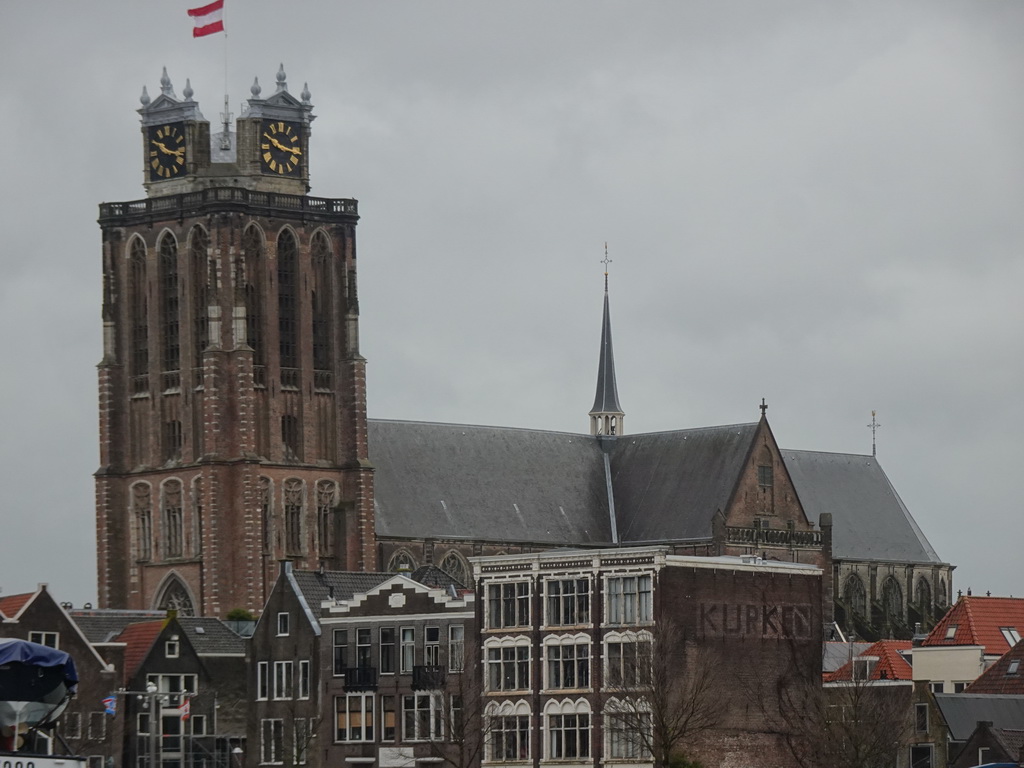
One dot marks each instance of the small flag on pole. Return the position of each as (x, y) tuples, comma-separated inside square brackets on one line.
[(185, 709), (208, 18), (110, 705)]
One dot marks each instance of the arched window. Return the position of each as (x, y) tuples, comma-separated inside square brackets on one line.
[(628, 659), (170, 321), (628, 729), (143, 512), (323, 302), (172, 525), (175, 597), (139, 308), (942, 593), (288, 304), (198, 245), (568, 730), (567, 661), (252, 254), (401, 562), (197, 516), (266, 501), (293, 492), (508, 663), (892, 598), (456, 566), (508, 731), (854, 595), (326, 502), (923, 594)]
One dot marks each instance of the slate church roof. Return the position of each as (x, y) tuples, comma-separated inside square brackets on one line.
[(496, 484)]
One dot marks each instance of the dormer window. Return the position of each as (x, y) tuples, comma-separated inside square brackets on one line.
[(951, 631), (1011, 635), (1014, 667), (863, 667)]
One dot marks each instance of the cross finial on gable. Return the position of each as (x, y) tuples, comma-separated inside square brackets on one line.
[(606, 261), (763, 407)]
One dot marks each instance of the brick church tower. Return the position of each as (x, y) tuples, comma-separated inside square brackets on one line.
[(231, 390)]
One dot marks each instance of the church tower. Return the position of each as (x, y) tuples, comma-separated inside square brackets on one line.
[(231, 390), (606, 417)]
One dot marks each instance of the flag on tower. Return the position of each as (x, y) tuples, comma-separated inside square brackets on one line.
[(208, 18), (185, 709)]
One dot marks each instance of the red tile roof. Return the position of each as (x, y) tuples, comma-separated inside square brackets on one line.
[(139, 639), (12, 604), (1003, 677), (890, 666), (979, 621)]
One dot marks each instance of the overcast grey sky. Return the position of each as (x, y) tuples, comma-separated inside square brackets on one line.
[(816, 203)]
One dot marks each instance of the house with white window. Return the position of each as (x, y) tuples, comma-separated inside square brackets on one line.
[(584, 651)]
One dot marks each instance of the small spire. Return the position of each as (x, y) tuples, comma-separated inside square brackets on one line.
[(282, 79), (255, 90), (165, 84), (144, 98), (305, 93), (763, 407), (187, 93), (606, 417)]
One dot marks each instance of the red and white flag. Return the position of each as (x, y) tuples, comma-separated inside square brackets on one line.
[(208, 18), (185, 709)]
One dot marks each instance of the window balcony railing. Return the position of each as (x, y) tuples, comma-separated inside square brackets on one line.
[(360, 678), (427, 678)]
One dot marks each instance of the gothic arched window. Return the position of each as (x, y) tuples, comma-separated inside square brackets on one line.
[(170, 322), (455, 566), (171, 522), (326, 501), (198, 246), (401, 562), (288, 301), (854, 595), (266, 502), (892, 598), (942, 593), (175, 597), (252, 254), (323, 301), (143, 512), (293, 488), (197, 516), (139, 307)]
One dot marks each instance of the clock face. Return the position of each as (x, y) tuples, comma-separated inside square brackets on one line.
[(281, 147), (166, 151)]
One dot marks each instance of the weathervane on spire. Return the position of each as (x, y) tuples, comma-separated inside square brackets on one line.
[(606, 261), (873, 426)]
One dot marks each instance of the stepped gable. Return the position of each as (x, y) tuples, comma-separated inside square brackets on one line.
[(668, 485), (996, 623), (891, 664), (318, 586), (869, 520), (453, 481)]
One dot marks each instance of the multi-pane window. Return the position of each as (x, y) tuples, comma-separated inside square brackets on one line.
[(568, 666), (300, 740), (49, 639), (629, 734), (271, 741), (173, 526), (508, 668), (252, 249), (304, 679), (140, 319), (354, 717), (200, 294), (363, 648), (71, 725), (628, 662), (266, 497), (508, 605), (387, 718), (455, 566), (387, 650), (568, 602), (629, 599), (262, 679), (326, 498), (568, 736), (283, 679), (422, 718), (340, 651), (765, 477), (288, 300), (408, 649), (293, 515), (172, 439), (143, 521), (509, 737), (323, 299), (921, 718), (169, 304), (456, 647), (432, 646), (283, 624)]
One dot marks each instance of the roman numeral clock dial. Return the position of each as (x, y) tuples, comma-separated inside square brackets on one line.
[(281, 147), (166, 151)]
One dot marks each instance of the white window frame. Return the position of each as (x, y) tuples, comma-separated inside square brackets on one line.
[(172, 649), (635, 674), (431, 648), (72, 724), (424, 720), (339, 671), (502, 654), (269, 747), (304, 679), (406, 650), (619, 746), (456, 647), (284, 679), (366, 729), (568, 727), (629, 598), (284, 621), (300, 740), (49, 639), (509, 604), (556, 660), (565, 604), (262, 680), (499, 717)]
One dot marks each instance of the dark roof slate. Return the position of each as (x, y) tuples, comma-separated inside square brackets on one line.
[(339, 585), (102, 625), (963, 711), (668, 485), (869, 520), (488, 483), (212, 637), (433, 577), (606, 400)]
